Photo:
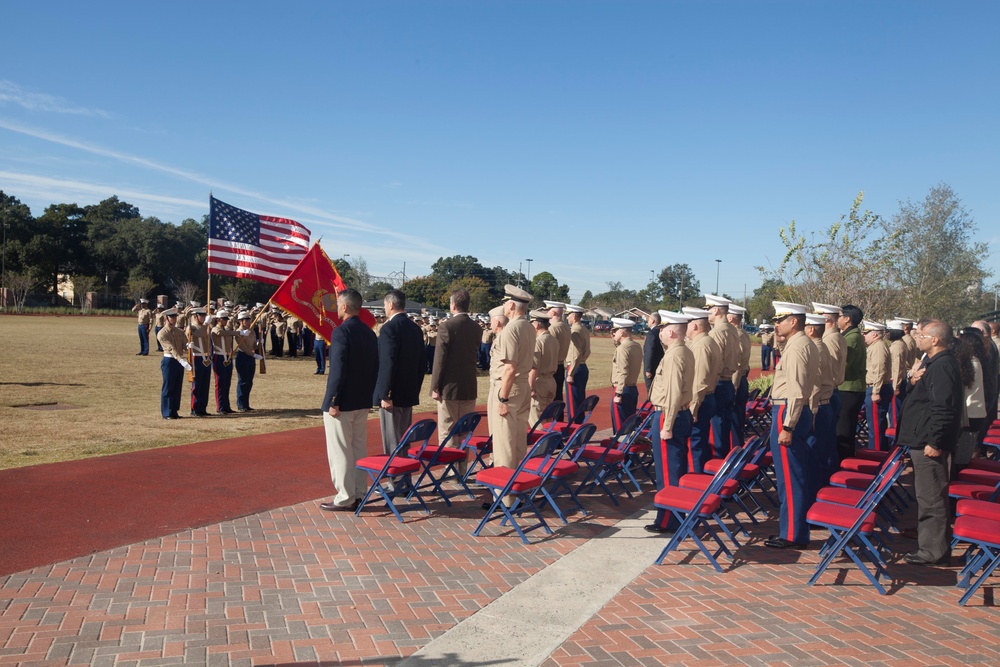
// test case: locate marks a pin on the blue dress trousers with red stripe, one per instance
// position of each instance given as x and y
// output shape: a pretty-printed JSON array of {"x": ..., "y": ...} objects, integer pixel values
[
  {"x": 795, "y": 468},
  {"x": 670, "y": 458},
  {"x": 701, "y": 435}
]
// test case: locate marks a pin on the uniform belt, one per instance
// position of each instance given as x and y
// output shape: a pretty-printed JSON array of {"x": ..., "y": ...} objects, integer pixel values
[
  {"x": 200, "y": 355},
  {"x": 725, "y": 378},
  {"x": 221, "y": 354},
  {"x": 822, "y": 403},
  {"x": 779, "y": 401}
]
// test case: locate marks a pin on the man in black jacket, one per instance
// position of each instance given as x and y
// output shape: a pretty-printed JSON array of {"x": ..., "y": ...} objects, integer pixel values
[
  {"x": 930, "y": 425},
  {"x": 652, "y": 349},
  {"x": 349, "y": 390},
  {"x": 400, "y": 370}
]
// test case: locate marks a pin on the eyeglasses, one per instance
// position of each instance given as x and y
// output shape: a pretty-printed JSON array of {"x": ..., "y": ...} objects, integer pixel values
[{"x": 920, "y": 335}]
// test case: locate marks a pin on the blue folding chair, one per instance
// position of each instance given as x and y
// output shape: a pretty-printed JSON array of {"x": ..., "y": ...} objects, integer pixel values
[
  {"x": 559, "y": 470},
  {"x": 396, "y": 470},
  {"x": 519, "y": 485},
  {"x": 693, "y": 509},
  {"x": 604, "y": 460},
  {"x": 450, "y": 453},
  {"x": 479, "y": 446},
  {"x": 983, "y": 536},
  {"x": 547, "y": 421}
]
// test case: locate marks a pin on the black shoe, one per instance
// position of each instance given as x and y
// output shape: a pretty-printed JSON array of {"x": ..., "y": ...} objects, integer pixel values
[
  {"x": 318, "y": 373},
  {"x": 138, "y": 354},
  {"x": 330, "y": 507},
  {"x": 914, "y": 558},
  {"x": 653, "y": 528},
  {"x": 199, "y": 414},
  {"x": 486, "y": 506},
  {"x": 781, "y": 543},
  {"x": 227, "y": 411}
]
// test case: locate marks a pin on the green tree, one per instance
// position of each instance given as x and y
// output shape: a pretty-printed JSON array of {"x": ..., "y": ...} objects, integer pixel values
[
  {"x": 587, "y": 299},
  {"x": 678, "y": 286},
  {"x": 16, "y": 227},
  {"x": 759, "y": 308},
  {"x": 449, "y": 269},
  {"x": 377, "y": 290},
  {"x": 545, "y": 286},
  {"x": 426, "y": 290},
  {"x": 480, "y": 299}
]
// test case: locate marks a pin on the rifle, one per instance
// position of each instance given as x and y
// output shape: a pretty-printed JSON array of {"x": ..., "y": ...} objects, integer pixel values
[
  {"x": 260, "y": 346},
  {"x": 187, "y": 331}
]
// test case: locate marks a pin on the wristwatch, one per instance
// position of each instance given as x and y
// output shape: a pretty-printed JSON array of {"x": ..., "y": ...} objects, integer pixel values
[
  {"x": 786, "y": 428},
  {"x": 501, "y": 398}
]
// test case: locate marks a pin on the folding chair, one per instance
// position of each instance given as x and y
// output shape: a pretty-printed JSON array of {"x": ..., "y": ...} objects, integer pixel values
[
  {"x": 432, "y": 456},
  {"x": 503, "y": 481},
  {"x": 581, "y": 417},
  {"x": 984, "y": 536},
  {"x": 563, "y": 469},
  {"x": 693, "y": 509},
  {"x": 736, "y": 490},
  {"x": 480, "y": 446},
  {"x": 605, "y": 459},
  {"x": 397, "y": 470},
  {"x": 547, "y": 421},
  {"x": 854, "y": 525},
  {"x": 853, "y": 497}
]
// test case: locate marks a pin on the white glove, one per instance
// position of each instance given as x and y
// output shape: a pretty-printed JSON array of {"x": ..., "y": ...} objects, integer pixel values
[
  {"x": 257, "y": 356},
  {"x": 244, "y": 332},
  {"x": 186, "y": 365},
  {"x": 190, "y": 346}
]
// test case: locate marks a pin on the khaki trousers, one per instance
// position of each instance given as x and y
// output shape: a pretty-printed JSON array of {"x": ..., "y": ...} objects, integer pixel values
[
  {"x": 545, "y": 393},
  {"x": 346, "y": 442},
  {"x": 510, "y": 433},
  {"x": 450, "y": 412}
]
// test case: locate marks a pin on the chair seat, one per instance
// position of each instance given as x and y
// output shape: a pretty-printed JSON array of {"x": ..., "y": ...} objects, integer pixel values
[
  {"x": 400, "y": 465},
  {"x": 960, "y": 489},
  {"x": 563, "y": 467},
  {"x": 684, "y": 500},
  {"x": 871, "y": 455},
  {"x": 839, "y": 495},
  {"x": 445, "y": 455},
  {"x": 979, "y": 476},
  {"x": 595, "y": 452},
  {"x": 984, "y": 464},
  {"x": 499, "y": 476},
  {"x": 839, "y": 516},
  {"x": 978, "y": 508},
  {"x": 860, "y": 465},
  {"x": 750, "y": 470},
  {"x": 977, "y": 529},
  {"x": 700, "y": 482},
  {"x": 535, "y": 436},
  {"x": 480, "y": 442},
  {"x": 767, "y": 460},
  {"x": 890, "y": 432},
  {"x": 851, "y": 479}
]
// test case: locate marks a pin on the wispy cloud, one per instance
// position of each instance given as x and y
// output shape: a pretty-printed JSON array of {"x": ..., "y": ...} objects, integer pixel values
[
  {"x": 11, "y": 92},
  {"x": 284, "y": 205}
]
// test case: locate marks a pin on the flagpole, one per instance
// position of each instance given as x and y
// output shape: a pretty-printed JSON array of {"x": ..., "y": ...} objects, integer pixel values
[{"x": 208, "y": 254}]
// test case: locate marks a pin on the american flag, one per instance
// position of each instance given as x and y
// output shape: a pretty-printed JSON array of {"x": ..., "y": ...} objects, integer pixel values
[{"x": 246, "y": 245}]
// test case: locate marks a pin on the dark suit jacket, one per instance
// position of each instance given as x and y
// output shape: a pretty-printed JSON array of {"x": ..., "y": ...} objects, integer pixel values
[
  {"x": 454, "y": 372},
  {"x": 401, "y": 363},
  {"x": 353, "y": 366},
  {"x": 652, "y": 351}
]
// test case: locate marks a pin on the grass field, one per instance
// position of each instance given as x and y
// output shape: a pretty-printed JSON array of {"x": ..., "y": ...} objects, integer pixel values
[{"x": 71, "y": 387}]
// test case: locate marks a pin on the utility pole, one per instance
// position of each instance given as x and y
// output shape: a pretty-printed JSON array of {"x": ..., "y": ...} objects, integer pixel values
[
  {"x": 529, "y": 261},
  {"x": 718, "y": 264}
]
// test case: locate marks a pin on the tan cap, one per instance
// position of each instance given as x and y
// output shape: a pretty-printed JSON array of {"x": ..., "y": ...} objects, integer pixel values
[
  {"x": 497, "y": 312},
  {"x": 512, "y": 293}
]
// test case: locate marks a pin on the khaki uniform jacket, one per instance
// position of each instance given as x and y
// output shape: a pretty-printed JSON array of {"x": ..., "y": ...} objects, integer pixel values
[
  {"x": 174, "y": 342},
  {"x": 515, "y": 344},
  {"x": 145, "y": 314},
  {"x": 488, "y": 337},
  {"x": 728, "y": 339},
  {"x": 200, "y": 339},
  {"x": 295, "y": 325},
  {"x": 823, "y": 389},
  {"x": 899, "y": 364},
  {"x": 546, "y": 354},
  {"x": 878, "y": 365},
  {"x": 795, "y": 376},
  {"x": 626, "y": 364},
  {"x": 182, "y": 319},
  {"x": 280, "y": 327},
  {"x": 707, "y": 364},
  {"x": 579, "y": 349},
  {"x": 158, "y": 319},
  {"x": 222, "y": 340},
  {"x": 673, "y": 382},
  {"x": 912, "y": 353},
  {"x": 247, "y": 344},
  {"x": 766, "y": 338},
  {"x": 745, "y": 348},
  {"x": 833, "y": 341},
  {"x": 560, "y": 331}
]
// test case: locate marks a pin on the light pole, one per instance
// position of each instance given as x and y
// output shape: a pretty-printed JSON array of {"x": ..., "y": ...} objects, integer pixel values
[
  {"x": 520, "y": 266},
  {"x": 718, "y": 264},
  {"x": 529, "y": 261}
]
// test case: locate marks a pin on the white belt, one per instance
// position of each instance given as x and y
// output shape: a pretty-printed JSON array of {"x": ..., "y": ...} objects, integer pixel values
[{"x": 200, "y": 355}]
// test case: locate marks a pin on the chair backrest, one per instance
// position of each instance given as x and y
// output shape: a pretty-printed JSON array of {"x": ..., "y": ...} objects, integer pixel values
[
  {"x": 582, "y": 415},
  {"x": 754, "y": 393},
  {"x": 641, "y": 425},
  {"x": 420, "y": 432},
  {"x": 579, "y": 439},
  {"x": 549, "y": 447},
  {"x": 550, "y": 415},
  {"x": 731, "y": 467},
  {"x": 629, "y": 427},
  {"x": 463, "y": 430}
]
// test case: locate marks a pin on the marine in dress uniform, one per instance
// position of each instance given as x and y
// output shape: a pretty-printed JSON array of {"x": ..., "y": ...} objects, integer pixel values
[
  {"x": 795, "y": 375},
  {"x": 833, "y": 340},
  {"x": 707, "y": 364},
  {"x": 824, "y": 435},
  {"x": 540, "y": 379},
  {"x": 878, "y": 391},
  {"x": 740, "y": 382},
  {"x": 200, "y": 341},
  {"x": 485, "y": 342},
  {"x": 725, "y": 392},
  {"x": 498, "y": 320},
  {"x": 308, "y": 339},
  {"x": 246, "y": 361},
  {"x": 559, "y": 330},
  {"x": 293, "y": 335},
  {"x": 158, "y": 323},
  {"x": 145, "y": 318},
  {"x": 577, "y": 372},
  {"x": 671, "y": 393},
  {"x": 899, "y": 364},
  {"x": 223, "y": 351},
  {"x": 911, "y": 343},
  {"x": 278, "y": 329},
  {"x": 510, "y": 396},
  {"x": 173, "y": 365},
  {"x": 626, "y": 364},
  {"x": 431, "y": 348},
  {"x": 766, "y": 342}
]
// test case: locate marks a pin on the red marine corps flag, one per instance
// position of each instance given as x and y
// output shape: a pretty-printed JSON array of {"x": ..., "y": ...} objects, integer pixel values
[{"x": 310, "y": 294}]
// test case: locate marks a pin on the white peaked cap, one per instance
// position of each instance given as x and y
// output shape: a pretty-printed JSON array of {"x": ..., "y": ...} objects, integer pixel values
[
  {"x": 737, "y": 310},
  {"x": 783, "y": 308},
  {"x": 554, "y": 304},
  {"x": 695, "y": 313},
  {"x": 670, "y": 317},
  {"x": 621, "y": 323},
  {"x": 573, "y": 309},
  {"x": 713, "y": 300},
  {"x": 896, "y": 325},
  {"x": 868, "y": 325},
  {"x": 827, "y": 309},
  {"x": 815, "y": 320}
]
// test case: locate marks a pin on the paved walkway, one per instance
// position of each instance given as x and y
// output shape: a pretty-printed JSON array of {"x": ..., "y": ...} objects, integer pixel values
[{"x": 294, "y": 585}]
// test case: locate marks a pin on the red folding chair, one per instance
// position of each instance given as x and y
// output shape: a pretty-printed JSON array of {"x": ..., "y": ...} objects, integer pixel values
[
  {"x": 547, "y": 421},
  {"x": 449, "y": 454},
  {"x": 604, "y": 460},
  {"x": 984, "y": 537},
  {"x": 581, "y": 417},
  {"x": 397, "y": 471},
  {"x": 562, "y": 471},
  {"x": 480, "y": 446}
]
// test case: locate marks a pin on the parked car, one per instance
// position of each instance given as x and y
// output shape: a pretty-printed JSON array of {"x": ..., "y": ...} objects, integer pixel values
[{"x": 602, "y": 326}]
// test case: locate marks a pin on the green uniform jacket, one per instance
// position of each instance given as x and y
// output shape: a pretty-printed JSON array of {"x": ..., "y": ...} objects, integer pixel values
[{"x": 854, "y": 373}]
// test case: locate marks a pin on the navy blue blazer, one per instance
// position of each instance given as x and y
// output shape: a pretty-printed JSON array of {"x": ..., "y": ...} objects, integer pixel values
[
  {"x": 401, "y": 363},
  {"x": 353, "y": 367},
  {"x": 652, "y": 351}
]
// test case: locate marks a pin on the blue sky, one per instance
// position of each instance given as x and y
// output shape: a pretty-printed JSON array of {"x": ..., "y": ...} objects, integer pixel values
[{"x": 600, "y": 139}]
